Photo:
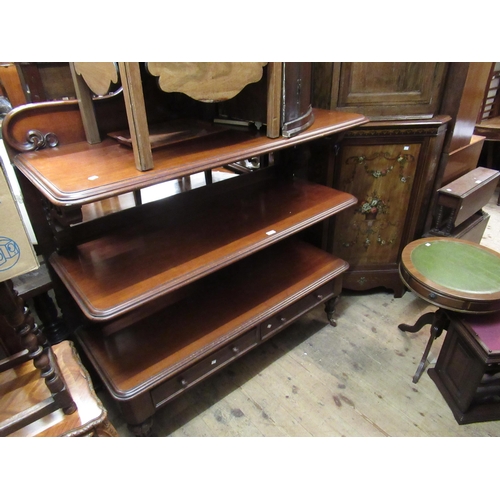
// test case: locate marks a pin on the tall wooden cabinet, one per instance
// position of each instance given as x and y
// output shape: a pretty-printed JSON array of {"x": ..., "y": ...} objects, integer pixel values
[
  {"x": 163, "y": 294},
  {"x": 419, "y": 138}
]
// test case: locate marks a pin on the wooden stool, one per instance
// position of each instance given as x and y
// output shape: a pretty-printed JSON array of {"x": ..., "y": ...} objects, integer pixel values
[
  {"x": 453, "y": 274},
  {"x": 467, "y": 372}
]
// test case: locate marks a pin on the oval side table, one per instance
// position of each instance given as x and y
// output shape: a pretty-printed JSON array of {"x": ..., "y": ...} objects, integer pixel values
[{"x": 452, "y": 274}]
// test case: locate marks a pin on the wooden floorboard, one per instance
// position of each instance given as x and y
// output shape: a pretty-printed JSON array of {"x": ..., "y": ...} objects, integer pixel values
[{"x": 315, "y": 380}]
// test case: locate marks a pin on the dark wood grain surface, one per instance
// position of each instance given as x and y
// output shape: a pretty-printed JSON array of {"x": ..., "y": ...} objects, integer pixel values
[
  {"x": 80, "y": 173},
  {"x": 128, "y": 267}
]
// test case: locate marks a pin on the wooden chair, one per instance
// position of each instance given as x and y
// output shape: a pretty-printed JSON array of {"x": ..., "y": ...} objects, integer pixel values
[
  {"x": 44, "y": 390},
  {"x": 488, "y": 122},
  {"x": 37, "y": 349}
]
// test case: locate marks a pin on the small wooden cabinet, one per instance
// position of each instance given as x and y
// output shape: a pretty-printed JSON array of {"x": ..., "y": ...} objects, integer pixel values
[{"x": 467, "y": 369}]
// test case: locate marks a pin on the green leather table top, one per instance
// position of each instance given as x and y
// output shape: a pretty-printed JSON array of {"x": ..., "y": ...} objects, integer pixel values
[{"x": 458, "y": 266}]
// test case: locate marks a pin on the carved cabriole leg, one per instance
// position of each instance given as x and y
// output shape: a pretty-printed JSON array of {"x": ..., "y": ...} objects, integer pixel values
[
  {"x": 425, "y": 319},
  {"x": 32, "y": 339},
  {"x": 439, "y": 321}
]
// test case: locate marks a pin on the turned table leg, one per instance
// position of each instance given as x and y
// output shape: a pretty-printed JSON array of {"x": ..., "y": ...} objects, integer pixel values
[{"x": 330, "y": 309}]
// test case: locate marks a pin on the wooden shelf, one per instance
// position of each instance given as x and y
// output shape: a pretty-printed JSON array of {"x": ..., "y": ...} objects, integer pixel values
[
  {"x": 126, "y": 268},
  {"x": 81, "y": 173},
  {"x": 228, "y": 304}
]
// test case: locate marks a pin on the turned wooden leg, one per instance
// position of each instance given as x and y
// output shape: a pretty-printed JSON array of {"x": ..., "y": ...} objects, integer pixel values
[
  {"x": 439, "y": 218},
  {"x": 53, "y": 326},
  {"x": 143, "y": 429},
  {"x": 449, "y": 223},
  {"x": 330, "y": 309},
  {"x": 19, "y": 317}
]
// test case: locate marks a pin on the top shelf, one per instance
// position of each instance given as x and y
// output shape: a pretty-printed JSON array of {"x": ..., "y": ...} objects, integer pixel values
[{"x": 80, "y": 173}]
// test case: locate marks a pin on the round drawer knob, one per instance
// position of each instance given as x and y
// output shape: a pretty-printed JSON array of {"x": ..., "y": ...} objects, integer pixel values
[
  {"x": 432, "y": 296},
  {"x": 235, "y": 349},
  {"x": 319, "y": 296},
  {"x": 183, "y": 382},
  {"x": 282, "y": 319}
]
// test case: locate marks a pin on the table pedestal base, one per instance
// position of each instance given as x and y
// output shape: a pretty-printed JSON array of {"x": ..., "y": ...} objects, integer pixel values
[{"x": 439, "y": 321}]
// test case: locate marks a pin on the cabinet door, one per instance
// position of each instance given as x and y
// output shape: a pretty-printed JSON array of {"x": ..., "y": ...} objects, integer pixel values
[
  {"x": 392, "y": 170},
  {"x": 381, "y": 177},
  {"x": 383, "y": 90}
]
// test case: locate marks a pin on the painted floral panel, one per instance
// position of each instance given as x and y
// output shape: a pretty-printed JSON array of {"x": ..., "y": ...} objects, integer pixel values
[{"x": 381, "y": 177}]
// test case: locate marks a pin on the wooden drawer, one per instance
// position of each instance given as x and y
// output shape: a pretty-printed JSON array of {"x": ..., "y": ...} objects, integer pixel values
[
  {"x": 182, "y": 381},
  {"x": 293, "y": 311}
]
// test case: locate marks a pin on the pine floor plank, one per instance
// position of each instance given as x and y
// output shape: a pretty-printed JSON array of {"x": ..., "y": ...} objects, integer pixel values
[
  {"x": 317, "y": 389},
  {"x": 357, "y": 390}
]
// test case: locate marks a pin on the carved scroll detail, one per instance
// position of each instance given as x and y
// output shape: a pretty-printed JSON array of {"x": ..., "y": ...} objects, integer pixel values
[{"x": 35, "y": 140}]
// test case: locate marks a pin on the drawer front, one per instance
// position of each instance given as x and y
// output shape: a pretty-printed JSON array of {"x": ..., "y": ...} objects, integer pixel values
[
  {"x": 293, "y": 311},
  {"x": 208, "y": 365}
]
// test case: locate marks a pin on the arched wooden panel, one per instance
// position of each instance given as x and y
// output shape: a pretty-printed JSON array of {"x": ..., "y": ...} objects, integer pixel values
[{"x": 206, "y": 81}]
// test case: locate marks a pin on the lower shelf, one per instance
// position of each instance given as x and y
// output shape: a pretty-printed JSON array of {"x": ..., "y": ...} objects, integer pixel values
[{"x": 146, "y": 364}]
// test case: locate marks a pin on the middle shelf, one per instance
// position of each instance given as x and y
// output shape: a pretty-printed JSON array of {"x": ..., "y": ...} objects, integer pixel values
[{"x": 126, "y": 268}]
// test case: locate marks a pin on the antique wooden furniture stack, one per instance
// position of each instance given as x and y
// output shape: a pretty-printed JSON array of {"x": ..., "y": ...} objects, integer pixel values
[
  {"x": 419, "y": 138},
  {"x": 163, "y": 294},
  {"x": 464, "y": 189}
]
